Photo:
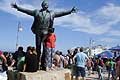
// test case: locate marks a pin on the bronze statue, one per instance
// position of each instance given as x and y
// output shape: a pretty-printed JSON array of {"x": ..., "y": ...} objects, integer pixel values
[{"x": 43, "y": 22}]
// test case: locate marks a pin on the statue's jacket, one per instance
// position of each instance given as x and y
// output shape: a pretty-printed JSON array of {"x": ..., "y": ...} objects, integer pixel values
[{"x": 43, "y": 20}]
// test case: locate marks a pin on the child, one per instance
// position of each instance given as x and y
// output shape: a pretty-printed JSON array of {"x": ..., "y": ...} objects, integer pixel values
[{"x": 49, "y": 49}]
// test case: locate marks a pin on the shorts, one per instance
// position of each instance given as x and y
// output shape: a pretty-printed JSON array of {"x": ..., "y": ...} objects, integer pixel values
[{"x": 80, "y": 71}]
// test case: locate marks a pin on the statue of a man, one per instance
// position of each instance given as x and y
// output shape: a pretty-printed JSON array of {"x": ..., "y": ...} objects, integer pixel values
[{"x": 43, "y": 22}]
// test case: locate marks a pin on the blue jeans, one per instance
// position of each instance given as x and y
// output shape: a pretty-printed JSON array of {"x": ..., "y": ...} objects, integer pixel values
[{"x": 49, "y": 52}]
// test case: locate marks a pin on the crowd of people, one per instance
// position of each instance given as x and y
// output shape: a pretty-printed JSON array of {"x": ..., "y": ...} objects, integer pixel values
[
  {"x": 75, "y": 59},
  {"x": 26, "y": 61},
  {"x": 93, "y": 65}
]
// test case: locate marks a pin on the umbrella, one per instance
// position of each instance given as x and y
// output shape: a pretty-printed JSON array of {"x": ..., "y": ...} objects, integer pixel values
[
  {"x": 106, "y": 54},
  {"x": 116, "y": 48}
]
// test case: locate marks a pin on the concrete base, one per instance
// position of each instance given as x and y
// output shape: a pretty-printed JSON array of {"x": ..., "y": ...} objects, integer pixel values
[{"x": 61, "y": 74}]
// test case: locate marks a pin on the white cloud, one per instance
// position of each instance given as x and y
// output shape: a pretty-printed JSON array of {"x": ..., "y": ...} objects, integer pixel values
[
  {"x": 98, "y": 22},
  {"x": 114, "y": 33},
  {"x": 6, "y": 7},
  {"x": 81, "y": 23},
  {"x": 109, "y": 40}
]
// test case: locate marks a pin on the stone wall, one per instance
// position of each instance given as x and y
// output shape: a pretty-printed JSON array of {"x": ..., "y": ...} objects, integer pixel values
[{"x": 61, "y": 74}]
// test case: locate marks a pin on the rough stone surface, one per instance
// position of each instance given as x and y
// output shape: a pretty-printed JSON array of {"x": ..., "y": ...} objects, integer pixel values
[{"x": 62, "y": 74}]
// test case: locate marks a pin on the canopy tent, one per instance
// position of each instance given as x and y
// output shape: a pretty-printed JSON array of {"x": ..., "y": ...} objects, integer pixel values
[
  {"x": 106, "y": 54},
  {"x": 116, "y": 48}
]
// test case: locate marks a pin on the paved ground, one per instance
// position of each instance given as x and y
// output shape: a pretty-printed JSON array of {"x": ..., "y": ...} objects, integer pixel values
[{"x": 95, "y": 77}]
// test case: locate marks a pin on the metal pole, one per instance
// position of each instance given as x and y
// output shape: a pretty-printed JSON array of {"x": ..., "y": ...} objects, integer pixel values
[{"x": 17, "y": 38}]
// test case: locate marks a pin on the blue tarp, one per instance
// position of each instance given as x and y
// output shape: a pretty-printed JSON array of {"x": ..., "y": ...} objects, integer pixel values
[
  {"x": 116, "y": 48},
  {"x": 106, "y": 54}
]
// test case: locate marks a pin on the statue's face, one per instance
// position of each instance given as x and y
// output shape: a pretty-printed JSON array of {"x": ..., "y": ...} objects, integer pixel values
[{"x": 44, "y": 5}]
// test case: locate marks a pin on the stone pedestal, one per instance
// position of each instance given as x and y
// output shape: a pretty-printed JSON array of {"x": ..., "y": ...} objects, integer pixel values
[{"x": 61, "y": 74}]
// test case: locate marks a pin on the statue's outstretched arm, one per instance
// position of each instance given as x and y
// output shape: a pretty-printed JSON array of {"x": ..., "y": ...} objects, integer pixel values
[
  {"x": 27, "y": 11},
  {"x": 63, "y": 13}
]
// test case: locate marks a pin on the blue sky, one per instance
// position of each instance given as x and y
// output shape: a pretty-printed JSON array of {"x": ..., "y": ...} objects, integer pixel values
[{"x": 96, "y": 19}]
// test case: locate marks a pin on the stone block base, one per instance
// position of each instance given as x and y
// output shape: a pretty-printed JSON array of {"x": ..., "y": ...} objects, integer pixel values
[{"x": 61, "y": 74}]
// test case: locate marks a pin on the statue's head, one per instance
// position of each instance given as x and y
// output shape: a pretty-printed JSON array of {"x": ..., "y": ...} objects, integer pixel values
[{"x": 44, "y": 5}]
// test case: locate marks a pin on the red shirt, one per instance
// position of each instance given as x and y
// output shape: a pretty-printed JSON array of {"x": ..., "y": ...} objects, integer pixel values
[{"x": 50, "y": 41}]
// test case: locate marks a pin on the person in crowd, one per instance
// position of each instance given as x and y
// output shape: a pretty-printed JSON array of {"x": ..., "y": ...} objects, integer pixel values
[
  {"x": 62, "y": 58},
  {"x": 80, "y": 59},
  {"x": 89, "y": 65},
  {"x": 65, "y": 62},
  {"x": 34, "y": 50},
  {"x": 7, "y": 56},
  {"x": 118, "y": 69},
  {"x": 117, "y": 59},
  {"x": 107, "y": 64},
  {"x": 49, "y": 49},
  {"x": 111, "y": 70},
  {"x": 19, "y": 57},
  {"x": 75, "y": 52},
  {"x": 73, "y": 62},
  {"x": 10, "y": 60},
  {"x": 30, "y": 64},
  {"x": 100, "y": 65},
  {"x": 4, "y": 61},
  {"x": 70, "y": 58},
  {"x": 57, "y": 59},
  {"x": 94, "y": 68}
]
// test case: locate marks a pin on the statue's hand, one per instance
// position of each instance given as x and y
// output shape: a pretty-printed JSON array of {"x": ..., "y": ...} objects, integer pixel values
[
  {"x": 74, "y": 10},
  {"x": 14, "y": 5}
]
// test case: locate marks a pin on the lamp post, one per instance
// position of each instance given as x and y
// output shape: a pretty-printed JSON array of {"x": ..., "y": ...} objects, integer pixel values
[
  {"x": 19, "y": 28},
  {"x": 91, "y": 45}
]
